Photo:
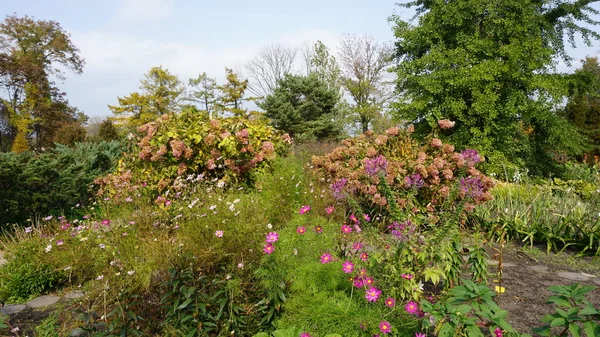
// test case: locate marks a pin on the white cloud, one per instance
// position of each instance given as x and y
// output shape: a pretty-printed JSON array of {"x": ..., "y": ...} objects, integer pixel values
[{"x": 144, "y": 10}]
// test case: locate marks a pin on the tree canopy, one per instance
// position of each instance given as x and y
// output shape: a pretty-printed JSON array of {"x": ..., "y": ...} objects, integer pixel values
[
  {"x": 488, "y": 65},
  {"x": 304, "y": 107}
]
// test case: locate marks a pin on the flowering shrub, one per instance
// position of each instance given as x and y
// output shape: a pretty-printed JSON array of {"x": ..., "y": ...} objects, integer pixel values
[
  {"x": 176, "y": 145},
  {"x": 391, "y": 173}
]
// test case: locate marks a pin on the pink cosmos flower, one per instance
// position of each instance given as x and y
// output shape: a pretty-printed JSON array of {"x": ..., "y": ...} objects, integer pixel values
[
  {"x": 272, "y": 237},
  {"x": 366, "y": 217},
  {"x": 498, "y": 332},
  {"x": 369, "y": 281},
  {"x": 385, "y": 327},
  {"x": 372, "y": 294},
  {"x": 319, "y": 229},
  {"x": 346, "y": 229},
  {"x": 268, "y": 248},
  {"x": 305, "y": 334},
  {"x": 106, "y": 222},
  {"x": 358, "y": 282},
  {"x": 420, "y": 334},
  {"x": 48, "y": 218},
  {"x": 407, "y": 276},
  {"x": 59, "y": 242},
  {"x": 362, "y": 272},
  {"x": 412, "y": 308},
  {"x": 357, "y": 246},
  {"x": 325, "y": 258},
  {"x": 304, "y": 209},
  {"x": 357, "y": 228},
  {"x": 219, "y": 233},
  {"x": 329, "y": 209},
  {"x": 364, "y": 256},
  {"x": 348, "y": 267},
  {"x": 301, "y": 230},
  {"x": 28, "y": 229},
  {"x": 353, "y": 218},
  {"x": 390, "y": 302}
]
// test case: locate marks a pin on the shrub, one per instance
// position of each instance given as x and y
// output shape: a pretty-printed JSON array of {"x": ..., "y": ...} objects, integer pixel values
[
  {"x": 35, "y": 185},
  {"x": 177, "y": 145}
]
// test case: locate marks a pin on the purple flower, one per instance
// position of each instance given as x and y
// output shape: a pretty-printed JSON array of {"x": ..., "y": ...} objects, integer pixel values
[
  {"x": 376, "y": 165},
  {"x": 412, "y": 308},
  {"x": 414, "y": 181},
  {"x": 471, "y": 156},
  {"x": 337, "y": 188},
  {"x": 472, "y": 187},
  {"x": 358, "y": 282}
]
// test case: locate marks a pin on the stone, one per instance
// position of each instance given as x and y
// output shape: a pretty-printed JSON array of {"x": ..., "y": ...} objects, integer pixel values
[
  {"x": 596, "y": 280},
  {"x": 77, "y": 332},
  {"x": 73, "y": 295},
  {"x": 11, "y": 309},
  {"x": 573, "y": 276},
  {"x": 43, "y": 301},
  {"x": 539, "y": 268},
  {"x": 508, "y": 264}
]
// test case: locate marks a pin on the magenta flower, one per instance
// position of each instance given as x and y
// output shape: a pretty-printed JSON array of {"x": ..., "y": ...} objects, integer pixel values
[
  {"x": 319, "y": 229},
  {"x": 268, "y": 248},
  {"x": 364, "y": 256},
  {"x": 498, "y": 332},
  {"x": 305, "y": 334},
  {"x": 346, "y": 229},
  {"x": 369, "y": 281},
  {"x": 358, "y": 282},
  {"x": 304, "y": 209},
  {"x": 301, "y": 230},
  {"x": 59, "y": 242},
  {"x": 420, "y": 334},
  {"x": 272, "y": 237},
  {"x": 219, "y": 233},
  {"x": 366, "y": 217},
  {"x": 357, "y": 246},
  {"x": 385, "y": 327},
  {"x": 362, "y": 272},
  {"x": 372, "y": 294},
  {"x": 106, "y": 222},
  {"x": 325, "y": 258},
  {"x": 348, "y": 267},
  {"x": 407, "y": 276},
  {"x": 390, "y": 302},
  {"x": 412, "y": 308},
  {"x": 353, "y": 218},
  {"x": 329, "y": 209}
]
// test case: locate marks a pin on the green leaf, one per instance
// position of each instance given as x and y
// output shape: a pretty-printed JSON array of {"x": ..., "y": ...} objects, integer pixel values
[
  {"x": 575, "y": 330},
  {"x": 558, "y": 322},
  {"x": 560, "y": 300},
  {"x": 185, "y": 304},
  {"x": 261, "y": 334},
  {"x": 591, "y": 329}
]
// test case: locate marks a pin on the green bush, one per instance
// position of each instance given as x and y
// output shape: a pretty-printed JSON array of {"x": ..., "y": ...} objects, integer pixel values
[{"x": 36, "y": 185}]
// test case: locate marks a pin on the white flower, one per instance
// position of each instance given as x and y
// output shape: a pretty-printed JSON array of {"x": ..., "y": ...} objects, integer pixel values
[
  {"x": 420, "y": 285},
  {"x": 269, "y": 226},
  {"x": 67, "y": 268},
  {"x": 48, "y": 248},
  {"x": 212, "y": 207},
  {"x": 15, "y": 329},
  {"x": 102, "y": 246},
  {"x": 28, "y": 229},
  {"x": 131, "y": 272},
  {"x": 100, "y": 277}
]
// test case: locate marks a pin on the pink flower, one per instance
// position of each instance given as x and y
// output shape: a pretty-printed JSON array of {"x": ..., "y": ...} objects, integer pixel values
[
  {"x": 357, "y": 228},
  {"x": 219, "y": 233},
  {"x": 446, "y": 124},
  {"x": 385, "y": 327},
  {"x": 407, "y": 276},
  {"x": 372, "y": 294},
  {"x": 348, "y": 267},
  {"x": 420, "y": 334},
  {"x": 301, "y": 230},
  {"x": 319, "y": 229},
  {"x": 498, "y": 332},
  {"x": 106, "y": 222},
  {"x": 358, "y": 282},
  {"x": 268, "y": 248},
  {"x": 362, "y": 272},
  {"x": 412, "y": 308},
  {"x": 390, "y": 302},
  {"x": 369, "y": 281},
  {"x": 329, "y": 210},
  {"x": 59, "y": 242},
  {"x": 366, "y": 217},
  {"x": 325, "y": 258},
  {"x": 272, "y": 237},
  {"x": 353, "y": 218},
  {"x": 364, "y": 256},
  {"x": 305, "y": 334},
  {"x": 304, "y": 209},
  {"x": 346, "y": 229},
  {"x": 357, "y": 246}
]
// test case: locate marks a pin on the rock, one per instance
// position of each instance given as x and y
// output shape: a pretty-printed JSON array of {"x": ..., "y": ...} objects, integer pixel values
[
  {"x": 596, "y": 280},
  {"x": 43, "y": 301},
  {"x": 508, "y": 264},
  {"x": 539, "y": 268},
  {"x": 573, "y": 276},
  {"x": 77, "y": 332},
  {"x": 11, "y": 309},
  {"x": 72, "y": 295}
]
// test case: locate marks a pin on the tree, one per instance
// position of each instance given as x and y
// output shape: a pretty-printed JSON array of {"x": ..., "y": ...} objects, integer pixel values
[
  {"x": 487, "y": 65},
  {"x": 107, "y": 131},
  {"x": 69, "y": 134},
  {"x": 30, "y": 52},
  {"x": 204, "y": 92},
  {"x": 583, "y": 106},
  {"x": 160, "y": 94},
  {"x": 363, "y": 63},
  {"x": 325, "y": 66},
  {"x": 233, "y": 94},
  {"x": 304, "y": 107},
  {"x": 269, "y": 67}
]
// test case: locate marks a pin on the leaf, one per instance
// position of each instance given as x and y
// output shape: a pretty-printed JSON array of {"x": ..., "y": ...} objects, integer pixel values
[
  {"x": 560, "y": 300},
  {"x": 560, "y": 321},
  {"x": 575, "y": 330},
  {"x": 261, "y": 334},
  {"x": 184, "y": 304},
  {"x": 591, "y": 329}
]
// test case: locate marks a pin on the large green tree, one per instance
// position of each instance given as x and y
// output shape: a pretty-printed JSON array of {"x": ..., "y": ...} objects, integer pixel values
[
  {"x": 488, "y": 65},
  {"x": 304, "y": 107},
  {"x": 160, "y": 93},
  {"x": 583, "y": 106},
  {"x": 31, "y": 106}
]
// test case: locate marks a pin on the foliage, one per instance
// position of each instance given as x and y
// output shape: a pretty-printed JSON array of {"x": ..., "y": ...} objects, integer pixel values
[
  {"x": 468, "y": 308},
  {"x": 488, "y": 66},
  {"x": 30, "y": 53},
  {"x": 69, "y": 134},
  {"x": 560, "y": 215},
  {"x": 204, "y": 92},
  {"x": 304, "y": 107},
  {"x": 233, "y": 94},
  {"x": 177, "y": 145},
  {"x": 159, "y": 94},
  {"x": 325, "y": 67},
  {"x": 34, "y": 185},
  {"x": 107, "y": 132},
  {"x": 573, "y": 312},
  {"x": 583, "y": 106}
]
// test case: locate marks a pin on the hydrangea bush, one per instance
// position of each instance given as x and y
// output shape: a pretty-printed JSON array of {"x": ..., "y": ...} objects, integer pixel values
[{"x": 177, "y": 145}]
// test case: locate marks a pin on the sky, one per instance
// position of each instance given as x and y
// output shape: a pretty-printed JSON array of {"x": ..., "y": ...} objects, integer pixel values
[{"x": 121, "y": 40}]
